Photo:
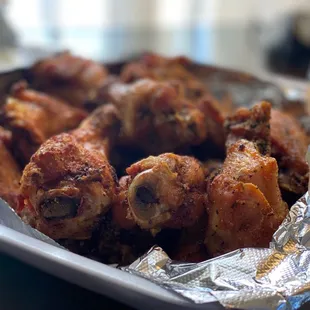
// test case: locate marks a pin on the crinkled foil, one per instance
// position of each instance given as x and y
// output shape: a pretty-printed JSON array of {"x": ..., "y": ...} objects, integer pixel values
[{"x": 275, "y": 278}]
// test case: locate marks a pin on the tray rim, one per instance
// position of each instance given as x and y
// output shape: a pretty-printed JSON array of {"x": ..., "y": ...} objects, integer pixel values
[{"x": 128, "y": 288}]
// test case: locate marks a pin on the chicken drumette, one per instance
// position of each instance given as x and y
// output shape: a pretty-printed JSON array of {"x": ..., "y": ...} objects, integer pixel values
[
  {"x": 159, "y": 68},
  {"x": 165, "y": 196},
  {"x": 74, "y": 79},
  {"x": 166, "y": 191},
  {"x": 33, "y": 117},
  {"x": 244, "y": 200},
  {"x": 155, "y": 118},
  {"x": 69, "y": 184},
  {"x": 289, "y": 145}
]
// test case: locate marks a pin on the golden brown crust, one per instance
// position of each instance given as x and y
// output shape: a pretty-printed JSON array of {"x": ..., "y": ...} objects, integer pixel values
[
  {"x": 250, "y": 124},
  {"x": 66, "y": 188},
  {"x": 166, "y": 191},
  {"x": 245, "y": 206},
  {"x": 214, "y": 118},
  {"x": 70, "y": 192},
  {"x": 100, "y": 130},
  {"x": 155, "y": 118},
  {"x": 159, "y": 68},
  {"x": 72, "y": 78},
  {"x": 289, "y": 147},
  {"x": 33, "y": 117}
]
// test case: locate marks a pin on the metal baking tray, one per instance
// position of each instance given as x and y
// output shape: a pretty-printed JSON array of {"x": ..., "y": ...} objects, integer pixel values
[
  {"x": 106, "y": 280},
  {"x": 109, "y": 281}
]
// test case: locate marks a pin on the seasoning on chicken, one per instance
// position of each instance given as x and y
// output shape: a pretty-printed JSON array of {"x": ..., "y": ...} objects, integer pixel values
[
  {"x": 100, "y": 130},
  {"x": 182, "y": 238},
  {"x": 252, "y": 125},
  {"x": 214, "y": 118},
  {"x": 33, "y": 117},
  {"x": 121, "y": 240},
  {"x": 9, "y": 172},
  {"x": 69, "y": 77},
  {"x": 155, "y": 118},
  {"x": 159, "y": 68},
  {"x": 69, "y": 184},
  {"x": 289, "y": 145},
  {"x": 166, "y": 191},
  {"x": 244, "y": 200}
]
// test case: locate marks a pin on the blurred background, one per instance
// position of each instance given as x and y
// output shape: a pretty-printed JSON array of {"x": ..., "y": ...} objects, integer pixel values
[{"x": 250, "y": 35}]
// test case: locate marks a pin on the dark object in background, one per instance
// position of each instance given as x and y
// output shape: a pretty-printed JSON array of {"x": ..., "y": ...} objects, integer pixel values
[{"x": 291, "y": 54}]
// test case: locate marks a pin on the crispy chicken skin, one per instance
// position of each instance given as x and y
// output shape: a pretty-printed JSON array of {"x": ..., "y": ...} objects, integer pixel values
[
  {"x": 99, "y": 130},
  {"x": 33, "y": 117},
  {"x": 214, "y": 119},
  {"x": 166, "y": 191},
  {"x": 289, "y": 145},
  {"x": 159, "y": 68},
  {"x": 69, "y": 77},
  {"x": 186, "y": 244},
  {"x": 69, "y": 184},
  {"x": 9, "y": 172},
  {"x": 288, "y": 142},
  {"x": 251, "y": 124},
  {"x": 155, "y": 118},
  {"x": 244, "y": 200}
]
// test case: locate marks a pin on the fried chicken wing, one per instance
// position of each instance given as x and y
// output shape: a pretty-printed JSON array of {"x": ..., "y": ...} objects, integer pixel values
[
  {"x": 177, "y": 226},
  {"x": 159, "y": 68},
  {"x": 155, "y": 118},
  {"x": 9, "y": 172},
  {"x": 252, "y": 125},
  {"x": 69, "y": 77},
  {"x": 244, "y": 200},
  {"x": 69, "y": 184},
  {"x": 289, "y": 145},
  {"x": 33, "y": 117},
  {"x": 166, "y": 192}
]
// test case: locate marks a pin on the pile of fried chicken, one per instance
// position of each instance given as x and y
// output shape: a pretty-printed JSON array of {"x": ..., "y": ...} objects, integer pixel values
[{"x": 110, "y": 164}]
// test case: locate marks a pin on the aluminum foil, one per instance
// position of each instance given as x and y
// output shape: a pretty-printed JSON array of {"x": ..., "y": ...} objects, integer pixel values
[{"x": 275, "y": 278}]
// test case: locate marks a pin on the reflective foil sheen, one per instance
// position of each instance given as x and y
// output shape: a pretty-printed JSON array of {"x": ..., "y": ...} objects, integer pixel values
[{"x": 275, "y": 278}]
